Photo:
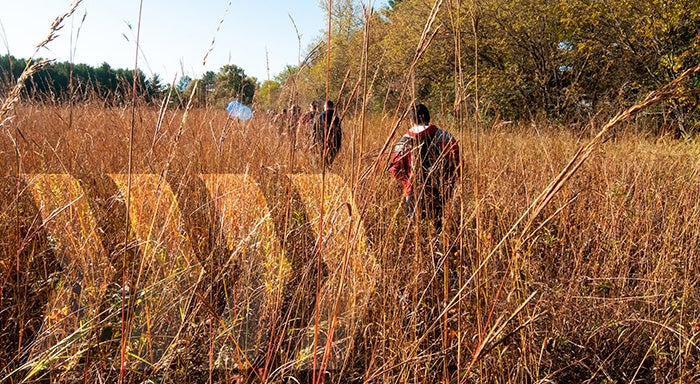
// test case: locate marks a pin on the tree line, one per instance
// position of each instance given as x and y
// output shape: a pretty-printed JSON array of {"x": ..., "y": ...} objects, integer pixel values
[
  {"x": 64, "y": 81},
  {"x": 563, "y": 60}
]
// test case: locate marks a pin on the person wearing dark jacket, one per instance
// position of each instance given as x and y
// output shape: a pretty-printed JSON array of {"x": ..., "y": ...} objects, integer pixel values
[
  {"x": 305, "y": 126},
  {"x": 426, "y": 161},
  {"x": 327, "y": 134}
]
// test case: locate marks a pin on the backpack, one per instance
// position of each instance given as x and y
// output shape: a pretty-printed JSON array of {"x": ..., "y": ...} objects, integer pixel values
[
  {"x": 335, "y": 136},
  {"x": 331, "y": 125},
  {"x": 427, "y": 166}
]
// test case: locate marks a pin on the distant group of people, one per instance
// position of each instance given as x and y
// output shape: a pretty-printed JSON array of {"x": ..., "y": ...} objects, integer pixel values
[
  {"x": 425, "y": 160},
  {"x": 322, "y": 131}
]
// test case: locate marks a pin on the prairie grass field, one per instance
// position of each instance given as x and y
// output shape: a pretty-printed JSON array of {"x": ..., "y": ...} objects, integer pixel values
[{"x": 201, "y": 261}]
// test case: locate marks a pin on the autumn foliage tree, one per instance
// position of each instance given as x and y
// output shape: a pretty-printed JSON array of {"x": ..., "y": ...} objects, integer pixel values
[{"x": 558, "y": 59}]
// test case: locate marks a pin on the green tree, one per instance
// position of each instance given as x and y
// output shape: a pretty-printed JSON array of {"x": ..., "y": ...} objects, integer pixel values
[
  {"x": 338, "y": 81},
  {"x": 206, "y": 86},
  {"x": 400, "y": 33},
  {"x": 393, "y": 3},
  {"x": 154, "y": 88},
  {"x": 230, "y": 83},
  {"x": 267, "y": 96}
]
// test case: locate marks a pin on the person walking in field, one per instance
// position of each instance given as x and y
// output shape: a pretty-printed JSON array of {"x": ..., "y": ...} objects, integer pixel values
[
  {"x": 426, "y": 161},
  {"x": 280, "y": 121},
  {"x": 327, "y": 134},
  {"x": 305, "y": 127}
]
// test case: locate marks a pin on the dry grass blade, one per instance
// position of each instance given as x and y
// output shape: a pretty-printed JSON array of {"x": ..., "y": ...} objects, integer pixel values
[
  {"x": 32, "y": 67},
  {"x": 497, "y": 333},
  {"x": 664, "y": 93},
  {"x": 213, "y": 39},
  {"x": 669, "y": 90},
  {"x": 13, "y": 97},
  {"x": 56, "y": 26}
]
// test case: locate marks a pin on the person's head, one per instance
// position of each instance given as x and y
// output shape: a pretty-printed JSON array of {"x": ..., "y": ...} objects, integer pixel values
[
  {"x": 419, "y": 115},
  {"x": 328, "y": 105},
  {"x": 313, "y": 106}
]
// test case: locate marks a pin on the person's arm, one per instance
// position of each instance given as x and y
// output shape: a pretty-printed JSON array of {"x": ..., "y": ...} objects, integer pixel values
[
  {"x": 399, "y": 162},
  {"x": 398, "y": 166}
]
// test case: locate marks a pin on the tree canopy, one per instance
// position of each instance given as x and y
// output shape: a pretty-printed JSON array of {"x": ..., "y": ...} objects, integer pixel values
[{"x": 561, "y": 59}]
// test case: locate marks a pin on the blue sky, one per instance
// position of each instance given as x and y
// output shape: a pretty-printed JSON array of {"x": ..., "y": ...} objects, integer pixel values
[{"x": 175, "y": 34}]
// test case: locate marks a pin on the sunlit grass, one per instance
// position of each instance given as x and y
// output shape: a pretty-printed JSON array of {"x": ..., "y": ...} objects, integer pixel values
[{"x": 223, "y": 277}]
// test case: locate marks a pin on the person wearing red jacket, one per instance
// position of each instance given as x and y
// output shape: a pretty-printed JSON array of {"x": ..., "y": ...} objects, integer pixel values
[{"x": 426, "y": 161}]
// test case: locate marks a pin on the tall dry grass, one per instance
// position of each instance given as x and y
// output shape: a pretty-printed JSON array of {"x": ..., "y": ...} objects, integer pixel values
[
  {"x": 605, "y": 290},
  {"x": 221, "y": 275}
]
